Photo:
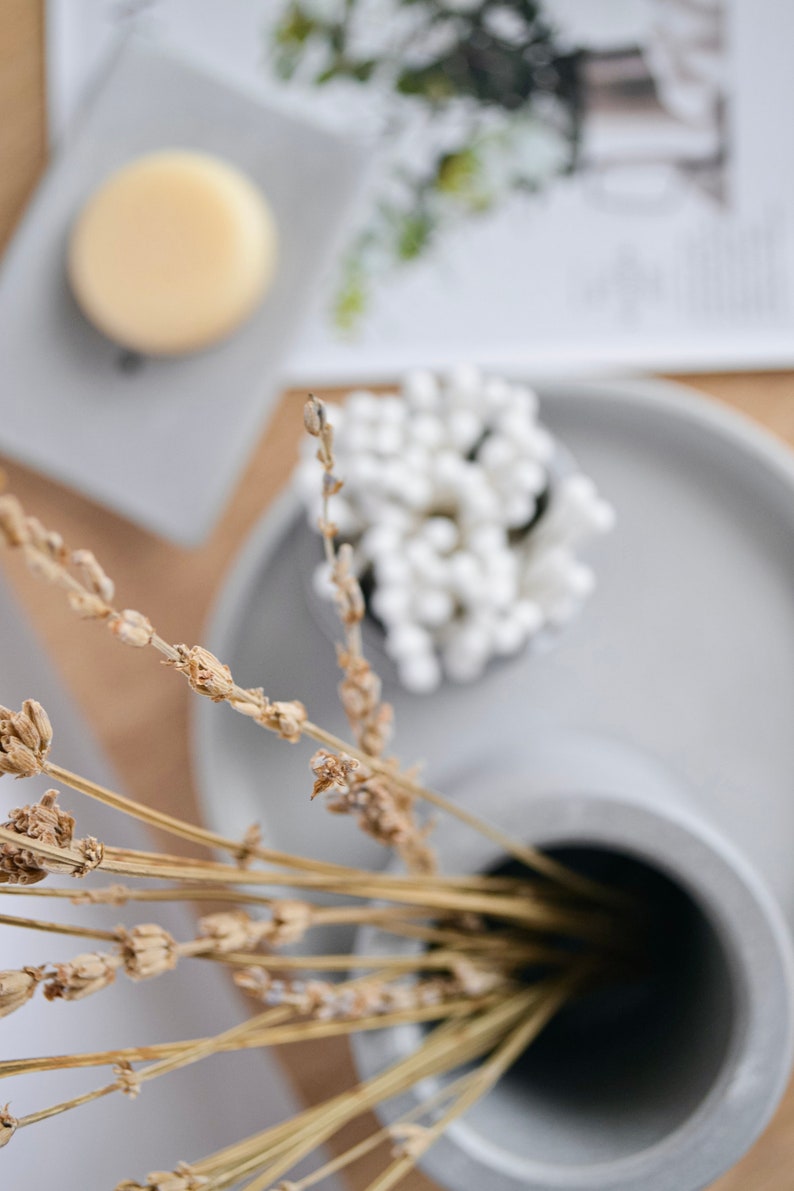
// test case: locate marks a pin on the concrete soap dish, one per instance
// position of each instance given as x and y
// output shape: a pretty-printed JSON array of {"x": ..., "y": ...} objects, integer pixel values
[{"x": 162, "y": 442}]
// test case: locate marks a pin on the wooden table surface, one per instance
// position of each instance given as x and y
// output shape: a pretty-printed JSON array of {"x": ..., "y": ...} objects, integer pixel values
[{"x": 125, "y": 694}]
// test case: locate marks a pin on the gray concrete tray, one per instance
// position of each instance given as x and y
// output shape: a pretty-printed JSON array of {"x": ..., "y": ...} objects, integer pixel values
[{"x": 684, "y": 653}]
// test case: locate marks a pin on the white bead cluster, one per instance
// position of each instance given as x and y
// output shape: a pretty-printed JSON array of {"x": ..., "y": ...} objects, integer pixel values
[{"x": 440, "y": 484}]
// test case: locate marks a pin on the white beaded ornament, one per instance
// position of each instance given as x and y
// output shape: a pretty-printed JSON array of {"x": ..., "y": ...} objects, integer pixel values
[{"x": 467, "y": 535}]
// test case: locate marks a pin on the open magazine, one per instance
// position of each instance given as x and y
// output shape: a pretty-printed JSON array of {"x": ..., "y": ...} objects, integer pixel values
[{"x": 556, "y": 185}]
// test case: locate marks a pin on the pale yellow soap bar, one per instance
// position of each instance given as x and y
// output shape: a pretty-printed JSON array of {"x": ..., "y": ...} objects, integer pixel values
[{"x": 172, "y": 253}]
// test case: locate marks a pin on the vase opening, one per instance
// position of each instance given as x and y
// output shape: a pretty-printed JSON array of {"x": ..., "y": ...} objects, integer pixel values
[{"x": 624, "y": 1067}]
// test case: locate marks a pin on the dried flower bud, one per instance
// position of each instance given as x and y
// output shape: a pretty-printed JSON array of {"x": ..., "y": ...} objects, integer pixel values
[
  {"x": 251, "y": 841},
  {"x": 252, "y": 702},
  {"x": 41, "y": 721},
  {"x": 474, "y": 980},
  {"x": 231, "y": 930},
  {"x": 44, "y": 821},
  {"x": 331, "y": 485},
  {"x": 16, "y": 989},
  {"x": 93, "y": 575},
  {"x": 92, "y": 853},
  {"x": 328, "y": 529},
  {"x": 8, "y": 1126},
  {"x": 127, "y": 1080},
  {"x": 89, "y": 606},
  {"x": 331, "y": 771},
  {"x": 131, "y": 627},
  {"x": 25, "y": 739},
  {"x": 181, "y": 1179},
  {"x": 284, "y": 718},
  {"x": 42, "y": 565},
  {"x": 110, "y": 895},
  {"x": 314, "y": 416},
  {"x": 289, "y": 922},
  {"x": 205, "y": 673},
  {"x": 81, "y": 977},
  {"x": 348, "y": 596},
  {"x": 47, "y": 540},
  {"x": 13, "y": 525},
  {"x": 147, "y": 950}
]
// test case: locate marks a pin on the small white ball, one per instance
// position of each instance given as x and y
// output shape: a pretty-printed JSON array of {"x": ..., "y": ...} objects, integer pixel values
[
  {"x": 501, "y": 592},
  {"x": 509, "y": 636},
  {"x": 421, "y": 674},
  {"x": 442, "y": 533},
  {"x": 518, "y": 510},
  {"x": 392, "y": 569},
  {"x": 529, "y": 615},
  {"x": 407, "y": 640},
  {"x": 464, "y": 384},
  {"x": 529, "y": 476},
  {"x": 487, "y": 540},
  {"x": 321, "y": 582},
  {"x": 361, "y": 470},
  {"x": 361, "y": 405},
  {"x": 433, "y": 607},
  {"x": 496, "y": 453},
  {"x": 359, "y": 436},
  {"x": 527, "y": 400},
  {"x": 381, "y": 540},
  {"x": 465, "y": 428},
  {"x": 392, "y": 604},
  {"x": 387, "y": 438},
  {"x": 391, "y": 410},
  {"x": 421, "y": 390},
  {"x": 426, "y": 430},
  {"x": 496, "y": 392},
  {"x": 418, "y": 493}
]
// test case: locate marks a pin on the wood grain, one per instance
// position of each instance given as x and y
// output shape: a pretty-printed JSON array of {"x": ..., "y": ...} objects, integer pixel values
[{"x": 139, "y": 713}]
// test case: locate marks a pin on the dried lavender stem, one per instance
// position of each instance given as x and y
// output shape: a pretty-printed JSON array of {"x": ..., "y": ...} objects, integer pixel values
[{"x": 484, "y": 1079}]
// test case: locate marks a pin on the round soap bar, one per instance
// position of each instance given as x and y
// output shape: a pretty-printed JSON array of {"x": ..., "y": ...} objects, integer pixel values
[{"x": 172, "y": 252}]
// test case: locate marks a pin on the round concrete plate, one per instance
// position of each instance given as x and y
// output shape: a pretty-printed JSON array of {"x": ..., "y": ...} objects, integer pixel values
[{"x": 685, "y": 651}]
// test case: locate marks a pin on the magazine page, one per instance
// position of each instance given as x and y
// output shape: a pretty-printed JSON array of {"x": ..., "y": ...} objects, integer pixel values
[{"x": 556, "y": 186}]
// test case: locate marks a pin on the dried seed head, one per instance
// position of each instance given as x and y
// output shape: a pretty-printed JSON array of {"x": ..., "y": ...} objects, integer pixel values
[
  {"x": 314, "y": 416},
  {"x": 331, "y": 771},
  {"x": 25, "y": 739},
  {"x": 348, "y": 596},
  {"x": 92, "y": 853},
  {"x": 88, "y": 605},
  {"x": 13, "y": 524},
  {"x": 81, "y": 977},
  {"x": 232, "y": 930},
  {"x": 285, "y": 718},
  {"x": 128, "y": 1081},
  {"x": 146, "y": 951},
  {"x": 110, "y": 895},
  {"x": 47, "y": 540},
  {"x": 44, "y": 821},
  {"x": 8, "y": 1126},
  {"x": 205, "y": 673},
  {"x": 42, "y": 565},
  {"x": 93, "y": 575},
  {"x": 181, "y": 1179},
  {"x": 16, "y": 989},
  {"x": 40, "y": 720},
  {"x": 289, "y": 922},
  {"x": 251, "y": 702},
  {"x": 250, "y": 842},
  {"x": 131, "y": 627}
]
